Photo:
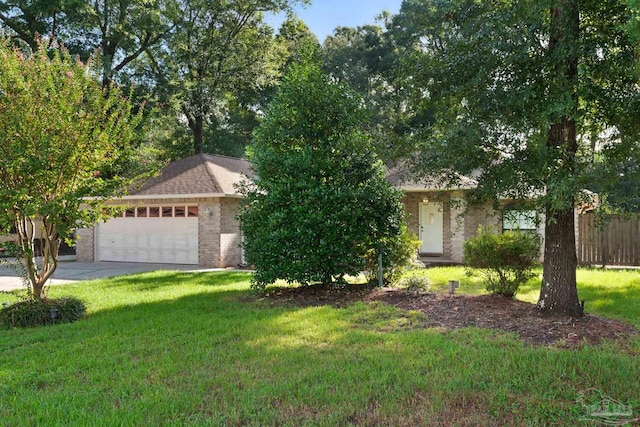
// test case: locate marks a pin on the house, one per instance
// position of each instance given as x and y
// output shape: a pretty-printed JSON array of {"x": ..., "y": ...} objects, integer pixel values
[
  {"x": 443, "y": 221},
  {"x": 185, "y": 215}
]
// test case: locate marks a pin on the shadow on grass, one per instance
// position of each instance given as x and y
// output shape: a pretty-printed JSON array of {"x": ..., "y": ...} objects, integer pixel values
[
  {"x": 165, "y": 278},
  {"x": 225, "y": 358}
]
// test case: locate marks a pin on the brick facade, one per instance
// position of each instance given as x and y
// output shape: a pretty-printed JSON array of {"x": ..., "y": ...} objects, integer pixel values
[
  {"x": 460, "y": 222},
  {"x": 219, "y": 234}
]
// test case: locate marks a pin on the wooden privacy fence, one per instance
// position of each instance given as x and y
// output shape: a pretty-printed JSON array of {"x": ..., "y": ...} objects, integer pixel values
[{"x": 617, "y": 243}]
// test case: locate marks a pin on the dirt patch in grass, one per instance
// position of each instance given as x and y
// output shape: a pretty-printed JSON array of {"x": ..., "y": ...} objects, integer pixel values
[{"x": 459, "y": 311}]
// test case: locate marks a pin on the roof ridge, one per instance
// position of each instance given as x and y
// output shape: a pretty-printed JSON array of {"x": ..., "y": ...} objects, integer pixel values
[
  {"x": 224, "y": 156},
  {"x": 215, "y": 182}
]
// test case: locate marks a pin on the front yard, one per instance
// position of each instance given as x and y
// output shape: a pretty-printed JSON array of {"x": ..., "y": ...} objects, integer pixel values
[{"x": 172, "y": 348}]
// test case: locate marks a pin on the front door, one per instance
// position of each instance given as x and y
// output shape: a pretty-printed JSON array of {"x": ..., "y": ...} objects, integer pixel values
[{"x": 431, "y": 228}]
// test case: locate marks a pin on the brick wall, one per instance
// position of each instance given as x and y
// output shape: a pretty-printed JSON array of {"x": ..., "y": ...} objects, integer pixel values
[
  {"x": 230, "y": 237},
  {"x": 85, "y": 249},
  {"x": 209, "y": 213},
  {"x": 218, "y": 230}
]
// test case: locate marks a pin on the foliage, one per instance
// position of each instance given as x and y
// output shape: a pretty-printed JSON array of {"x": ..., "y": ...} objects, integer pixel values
[
  {"x": 366, "y": 58},
  {"x": 319, "y": 202},
  {"x": 37, "y": 312},
  {"x": 398, "y": 255},
  {"x": 534, "y": 99},
  {"x": 506, "y": 260},
  {"x": 63, "y": 140},
  {"x": 415, "y": 283},
  {"x": 215, "y": 64}
]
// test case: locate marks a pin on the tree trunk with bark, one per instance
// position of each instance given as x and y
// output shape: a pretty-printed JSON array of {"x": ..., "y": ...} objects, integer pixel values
[{"x": 558, "y": 293}]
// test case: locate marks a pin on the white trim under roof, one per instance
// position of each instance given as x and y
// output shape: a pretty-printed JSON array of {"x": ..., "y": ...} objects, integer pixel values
[{"x": 171, "y": 196}]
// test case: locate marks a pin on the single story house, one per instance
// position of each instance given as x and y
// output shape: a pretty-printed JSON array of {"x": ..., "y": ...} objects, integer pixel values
[
  {"x": 185, "y": 215},
  {"x": 443, "y": 222}
]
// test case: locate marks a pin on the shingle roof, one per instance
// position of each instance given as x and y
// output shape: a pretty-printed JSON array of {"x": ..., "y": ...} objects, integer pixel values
[
  {"x": 199, "y": 174},
  {"x": 400, "y": 176}
]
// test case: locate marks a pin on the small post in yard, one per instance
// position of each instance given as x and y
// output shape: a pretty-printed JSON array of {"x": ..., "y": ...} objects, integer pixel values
[
  {"x": 380, "y": 266},
  {"x": 453, "y": 285}
]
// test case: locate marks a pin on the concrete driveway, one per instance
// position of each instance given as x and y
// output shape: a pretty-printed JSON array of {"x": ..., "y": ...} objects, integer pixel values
[{"x": 72, "y": 271}]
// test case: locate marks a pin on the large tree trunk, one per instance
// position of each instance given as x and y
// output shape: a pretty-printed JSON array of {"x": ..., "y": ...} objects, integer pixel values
[
  {"x": 558, "y": 293},
  {"x": 198, "y": 134}
]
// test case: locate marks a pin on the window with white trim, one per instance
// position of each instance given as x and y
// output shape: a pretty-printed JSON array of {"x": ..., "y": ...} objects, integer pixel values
[{"x": 525, "y": 220}]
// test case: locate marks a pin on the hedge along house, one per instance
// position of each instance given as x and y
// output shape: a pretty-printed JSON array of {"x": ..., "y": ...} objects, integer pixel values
[
  {"x": 443, "y": 220},
  {"x": 185, "y": 215}
]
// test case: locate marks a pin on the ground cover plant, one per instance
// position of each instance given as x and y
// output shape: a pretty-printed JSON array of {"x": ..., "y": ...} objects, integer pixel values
[{"x": 175, "y": 348}]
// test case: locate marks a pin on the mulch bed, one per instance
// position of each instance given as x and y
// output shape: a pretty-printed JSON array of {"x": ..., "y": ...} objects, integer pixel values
[{"x": 459, "y": 311}]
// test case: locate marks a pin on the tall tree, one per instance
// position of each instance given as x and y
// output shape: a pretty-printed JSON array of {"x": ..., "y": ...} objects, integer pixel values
[
  {"x": 296, "y": 41},
  {"x": 366, "y": 58},
  {"x": 121, "y": 31},
  {"x": 319, "y": 203},
  {"x": 532, "y": 98},
  {"x": 219, "y": 56},
  {"x": 58, "y": 130}
]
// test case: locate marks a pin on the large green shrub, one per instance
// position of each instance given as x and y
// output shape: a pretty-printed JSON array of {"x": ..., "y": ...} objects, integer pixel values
[
  {"x": 319, "y": 203},
  {"x": 37, "y": 312},
  {"x": 505, "y": 260}
]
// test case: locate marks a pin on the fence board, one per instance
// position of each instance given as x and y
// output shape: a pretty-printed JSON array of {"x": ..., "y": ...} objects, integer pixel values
[{"x": 618, "y": 243}]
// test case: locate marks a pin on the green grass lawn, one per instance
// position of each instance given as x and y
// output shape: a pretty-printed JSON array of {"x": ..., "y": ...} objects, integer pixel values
[{"x": 173, "y": 348}]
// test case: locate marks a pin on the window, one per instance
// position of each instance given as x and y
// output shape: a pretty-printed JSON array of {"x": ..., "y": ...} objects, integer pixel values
[
  {"x": 519, "y": 220},
  {"x": 164, "y": 212}
]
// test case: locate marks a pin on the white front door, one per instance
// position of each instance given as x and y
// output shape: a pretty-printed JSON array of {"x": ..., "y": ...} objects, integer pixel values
[{"x": 431, "y": 228}]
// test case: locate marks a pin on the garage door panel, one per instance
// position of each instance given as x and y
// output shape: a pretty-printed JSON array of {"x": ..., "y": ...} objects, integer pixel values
[{"x": 156, "y": 240}]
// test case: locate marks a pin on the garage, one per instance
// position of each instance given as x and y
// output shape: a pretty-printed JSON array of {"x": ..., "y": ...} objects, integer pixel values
[{"x": 153, "y": 234}]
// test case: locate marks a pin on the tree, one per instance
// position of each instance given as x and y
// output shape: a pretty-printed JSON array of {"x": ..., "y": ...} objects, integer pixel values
[
  {"x": 296, "y": 41},
  {"x": 533, "y": 99},
  {"x": 367, "y": 58},
  {"x": 319, "y": 202},
  {"x": 121, "y": 31},
  {"x": 219, "y": 56},
  {"x": 58, "y": 130}
]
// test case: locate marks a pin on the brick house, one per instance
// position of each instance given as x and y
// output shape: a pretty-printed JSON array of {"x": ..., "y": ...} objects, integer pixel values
[
  {"x": 185, "y": 215},
  {"x": 443, "y": 222}
]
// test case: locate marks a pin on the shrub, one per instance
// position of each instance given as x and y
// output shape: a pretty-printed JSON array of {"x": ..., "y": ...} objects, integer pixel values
[
  {"x": 36, "y": 312},
  {"x": 399, "y": 255},
  {"x": 415, "y": 283},
  {"x": 505, "y": 260}
]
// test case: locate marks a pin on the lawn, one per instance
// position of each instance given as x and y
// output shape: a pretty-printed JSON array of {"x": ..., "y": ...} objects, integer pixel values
[{"x": 174, "y": 348}]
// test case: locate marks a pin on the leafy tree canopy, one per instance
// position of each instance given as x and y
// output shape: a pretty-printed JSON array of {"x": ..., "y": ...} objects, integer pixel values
[
  {"x": 534, "y": 99},
  {"x": 63, "y": 139}
]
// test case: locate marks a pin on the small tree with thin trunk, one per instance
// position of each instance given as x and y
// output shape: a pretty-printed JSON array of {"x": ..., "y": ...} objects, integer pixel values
[{"x": 61, "y": 136}]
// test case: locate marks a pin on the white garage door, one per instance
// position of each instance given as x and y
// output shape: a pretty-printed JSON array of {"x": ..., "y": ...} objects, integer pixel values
[{"x": 167, "y": 240}]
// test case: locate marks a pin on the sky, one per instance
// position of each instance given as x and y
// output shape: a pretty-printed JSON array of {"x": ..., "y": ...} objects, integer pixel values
[{"x": 323, "y": 16}]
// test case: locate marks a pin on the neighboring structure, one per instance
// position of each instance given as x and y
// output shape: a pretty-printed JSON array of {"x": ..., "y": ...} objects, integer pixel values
[
  {"x": 443, "y": 222},
  {"x": 185, "y": 215}
]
